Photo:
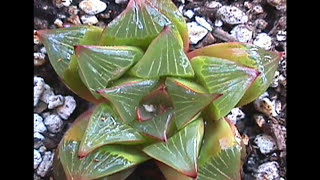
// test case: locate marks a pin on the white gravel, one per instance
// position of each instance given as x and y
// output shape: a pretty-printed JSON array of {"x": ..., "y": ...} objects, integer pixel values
[
  {"x": 242, "y": 33},
  {"x": 196, "y": 32},
  {"x": 92, "y": 7},
  {"x": 53, "y": 123},
  {"x": 265, "y": 143},
  {"x": 46, "y": 164},
  {"x": 46, "y": 93},
  {"x": 89, "y": 19},
  {"x": 189, "y": 14},
  {"x": 36, "y": 159},
  {"x": 281, "y": 36},
  {"x": 38, "y": 124},
  {"x": 203, "y": 22},
  {"x": 55, "y": 101},
  {"x": 38, "y": 88},
  {"x": 275, "y": 82},
  {"x": 232, "y": 15},
  {"x": 121, "y": 1},
  {"x": 265, "y": 105},
  {"x": 235, "y": 115},
  {"x": 263, "y": 40},
  {"x": 67, "y": 108},
  {"x": 213, "y": 4},
  {"x": 268, "y": 171}
]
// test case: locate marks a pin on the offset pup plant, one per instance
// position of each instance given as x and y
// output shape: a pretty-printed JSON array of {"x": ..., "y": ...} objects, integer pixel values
[{"x": 154, "y": 99}]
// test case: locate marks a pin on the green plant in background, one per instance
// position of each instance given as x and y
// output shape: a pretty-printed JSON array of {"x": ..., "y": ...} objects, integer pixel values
[{"x": 154, "y": 99}]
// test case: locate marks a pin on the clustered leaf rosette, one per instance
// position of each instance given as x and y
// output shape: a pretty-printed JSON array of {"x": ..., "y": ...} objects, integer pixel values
[{"x": 154, "y": 99}]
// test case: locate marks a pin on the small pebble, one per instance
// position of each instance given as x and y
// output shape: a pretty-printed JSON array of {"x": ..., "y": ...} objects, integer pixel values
[
  {"x": 36, "y": 39},
  {"x": 247, "y": 4},
  {"x": 263, "y": 40},
  {"x": 43, "y": 50},
  {"x": 265, "y": 143},
  {"x": 281, "y": 36},
  {"x": 74, "y": 19},
  {"x": 48, "y": 92},
  {"x": 53, "y": 123},
  {"x": 180, "y": 8},
  {"x": 261, "y": 24},
  {"x": 283, "y": 80},
  {"x": 265, "y": 106},
  {"x": 62, "y": 3},
  {"x": 36, "y": 159},
  {"x": 37, "y": 140},
  {"x": 196, "y": 32},
  {"x": 121, "y": 1},
  {"x": 283, "y": 65},
  {"x": 41, "y": 106},
  {"x": 38, "y": 124},
  {"x": 55, "y": 101},
  {"x": 203, "y": 22},
  {"x": 42, "y": 149},
  {"x": 189, "y": 14},
  {"x": 235, "y": 115},
  {"x": 39, "y": 58},
  {"x": 259, "y": 119},
  {"x": 66, "y": 3},
  {"x": 257, "y": 9},
  {"x": 36, "y": 177},
  {"x": 218, "y": 23},
  {"x": 241, "y": 33},
  {"x": 73, "y": 10},
  {"x": 58, "y": 23},
  {"x": 268, "y": 171},
  {"x": 277, "y": 106},
  {"x": 92, "y": 7},
  {"x": 213, "y": 4},
  {"x": 275, "y": 2},
  {"x": 232, "y": 15},
  {"x": 275, "y": 82},
  {"x": 45, "y": 114},
  {"x": 67, "y": 108},
  {"x": 38, "y": 88},
  {"x": 46, "y": 164},
  {"x": 89, "y": 19}
]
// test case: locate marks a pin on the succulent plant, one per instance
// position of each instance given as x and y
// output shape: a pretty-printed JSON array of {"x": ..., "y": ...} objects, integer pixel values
[{"x": 153, "y": 98}]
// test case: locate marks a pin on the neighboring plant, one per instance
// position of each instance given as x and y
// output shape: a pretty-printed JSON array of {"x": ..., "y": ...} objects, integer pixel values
[{"x": 155, "y": 100}]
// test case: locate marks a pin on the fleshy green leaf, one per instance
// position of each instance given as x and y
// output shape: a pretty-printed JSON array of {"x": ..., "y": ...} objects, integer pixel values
[
  {"x": 126, "y": 96},
  {"x": 168, "y": 8},
  {"x": 181, "y": 150},
  {"x": 101, "y": 64},
  {"x": 188, "y": 99},
  {"x": 157, "y": 127},
  {"x": 164, "y": 57},
  {"x": 225, "y": 165},
  {"x": 223, "y": 77},
  {"x": 136, "y": 26},
  {"x": 218, "y": 135},
  {"x": 105, "y": 127},
  {"x": 59, "y": 43},
  {"x": 122, "y": 175},
  {"x": 170, "y": 173},
  {"x": 220, "y": 155},
  {"x": 103, "y": 162},
  {"x": 59, "y": 173},
  {"x": 73, "y": 81},
  {"x": 247, "y": 55}
]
